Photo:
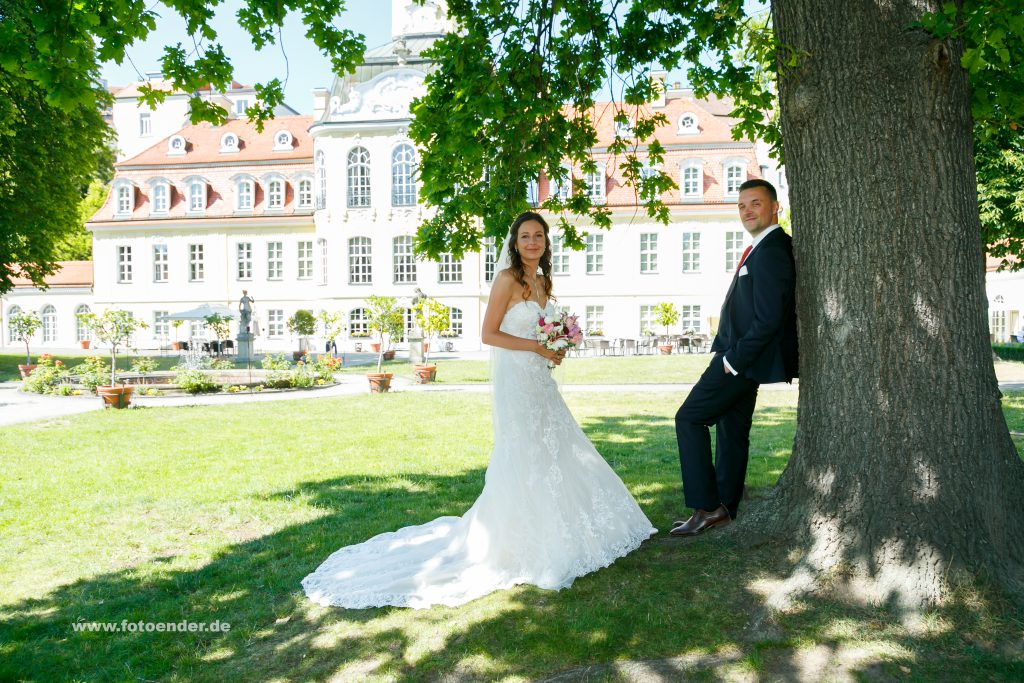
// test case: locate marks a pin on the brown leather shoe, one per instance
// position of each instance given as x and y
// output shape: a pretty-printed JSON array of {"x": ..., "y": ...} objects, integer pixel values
[{"x": 701, "y": 521}]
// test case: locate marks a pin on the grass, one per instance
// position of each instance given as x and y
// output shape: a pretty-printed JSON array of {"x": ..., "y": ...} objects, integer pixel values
[
  {"x": 203, "y": 514},
  {"x": 681, "y": 368}
]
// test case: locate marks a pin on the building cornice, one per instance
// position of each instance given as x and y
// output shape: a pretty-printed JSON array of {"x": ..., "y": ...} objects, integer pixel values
[
  {"x": 218, "y": 164},
  {"x": 218, "y": 223}
]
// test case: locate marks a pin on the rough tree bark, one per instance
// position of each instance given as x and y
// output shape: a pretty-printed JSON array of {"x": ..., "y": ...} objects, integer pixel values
[{"x": 903, "y": 473}]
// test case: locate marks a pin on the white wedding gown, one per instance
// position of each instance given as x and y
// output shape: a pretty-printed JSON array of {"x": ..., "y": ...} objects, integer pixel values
[{"x": 551, "y": 508}]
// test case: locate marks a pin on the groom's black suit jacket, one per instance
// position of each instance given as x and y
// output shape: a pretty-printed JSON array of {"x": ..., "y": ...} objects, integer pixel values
[{"x": 757, "y": 329}]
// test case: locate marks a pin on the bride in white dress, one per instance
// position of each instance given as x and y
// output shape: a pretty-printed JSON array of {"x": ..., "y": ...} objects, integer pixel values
[{"x": 551, "y": 509}]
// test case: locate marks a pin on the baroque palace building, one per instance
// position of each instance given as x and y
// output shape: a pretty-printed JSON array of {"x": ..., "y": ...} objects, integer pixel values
[{"x": 320, "y": 212}]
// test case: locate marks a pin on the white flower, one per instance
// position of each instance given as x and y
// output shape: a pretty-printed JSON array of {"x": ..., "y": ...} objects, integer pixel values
[
  {"x": 559, "y": 344},
  {"x": 550, "y": 319}
]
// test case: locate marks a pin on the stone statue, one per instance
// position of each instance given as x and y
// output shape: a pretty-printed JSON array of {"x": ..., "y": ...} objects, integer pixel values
[{"x": 245, "y": 308}]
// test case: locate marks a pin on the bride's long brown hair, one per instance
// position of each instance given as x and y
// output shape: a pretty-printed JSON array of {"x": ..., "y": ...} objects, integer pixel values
[{"x": 518, "y": 271}]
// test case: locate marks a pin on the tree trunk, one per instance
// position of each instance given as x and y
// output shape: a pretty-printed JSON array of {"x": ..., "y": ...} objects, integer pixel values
[{"x": 903, "y": 473}]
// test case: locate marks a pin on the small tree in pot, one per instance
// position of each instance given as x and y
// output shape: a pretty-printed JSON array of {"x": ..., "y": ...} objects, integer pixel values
[
  {"x": 433, "y": 318},
  {"x": 332, "y": 326},
  {"x": 113, "y": 327},
  {"x": 384, "y": 318},
  {"x": 666, "y": 315},
  {"x": 24, "y": 326},
  {"x": 302, "y": 324}
]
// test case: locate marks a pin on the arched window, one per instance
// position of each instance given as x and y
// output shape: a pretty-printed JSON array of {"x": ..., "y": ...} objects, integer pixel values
[
  {"x": 735, "y": 174},
  {"x": 125, "y": 196},
  {"x": 275, "y": 194},
  {"x": 691, "y": 179},
  {"x": 81, "y": 331},
  {"x": 358, "y": 324},
  {"x": 161, "y": 198},
  {"x": 245, "y": 191},
  {"x": 228, "y": 143},
  {"x": 49, "y": 318},
  {"x": 305, "y": 194},
  {"x": 596, "y": 184},
  {"x": 561, "y": 188},
  {"x": 403, "y": 176},
  {"x": 360, "y": 261},
  {"x": 12, "y": 336},
  {"x": 358, "y": 178},
  {"x": 196, "y": 188}
]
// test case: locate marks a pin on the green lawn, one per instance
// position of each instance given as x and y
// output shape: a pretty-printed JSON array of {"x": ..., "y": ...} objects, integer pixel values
[
  {"x": 681, "y": 368},
  {"x": 204, "y": 514}
]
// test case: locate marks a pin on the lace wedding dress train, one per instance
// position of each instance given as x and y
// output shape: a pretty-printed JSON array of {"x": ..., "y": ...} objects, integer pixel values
[{"x": 551, "y": 509}]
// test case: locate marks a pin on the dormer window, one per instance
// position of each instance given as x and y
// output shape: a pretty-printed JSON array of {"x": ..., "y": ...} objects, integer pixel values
[
  {"x": 688, "y": 124},
  {"x": 595, "y": 181},
  {"x": 176, "y": 145},
  {"x": 228, "y": 143},
  {"x": 624, "y": 129},
  {"x": 283, "y": 141},
  {"x": 195, "y": 189},
  {"x": 735, "y": 172},
  {"x": 245, "y": 190},
  {"x": 240, "y": 106},
  {"x": 691, "y": 178},
  {"x": 275, "y": 194},
  {"x": 124, "y": 197},
  {"x": 160, "y": 194}
]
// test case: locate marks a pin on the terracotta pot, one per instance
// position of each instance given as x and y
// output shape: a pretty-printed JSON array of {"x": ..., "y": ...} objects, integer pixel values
[
  {"x": 426, "y": 347},
  {"x": 666, "y": 350},
  {"x": 116, "y": 397},
  {"x": 380, "y": 382},
  {"x": 375, "y": 347},
  {"x": 175, "y": 346},
  {"x": 26, "y": 370},
  {"x": 389, "y": 355},
  {"x": 425, "y": 373},
  {"x": 85, "y": 343}
]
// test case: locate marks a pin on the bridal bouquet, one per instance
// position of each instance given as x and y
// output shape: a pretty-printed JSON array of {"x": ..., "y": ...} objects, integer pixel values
[{"x": 558, "y": 332}]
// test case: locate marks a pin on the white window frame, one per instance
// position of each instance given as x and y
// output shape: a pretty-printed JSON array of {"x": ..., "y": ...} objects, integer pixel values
[
  {"x": 12, "y": 336},
  {"x": 245, "y": 188},
  {"x": 594, "y": 318},
  {"x": 358, "y": 322},
  {"x": 561, "y": 190},
  {"x": 196, "y": 263},
  {"x": 596, "y": 182},
  {"x": 196, "y": 188},
  {"x": 691, "y": 252},
  {"x": 690, "y": 317},
  {"x": 82, "y": 331},
  {"x": 275, "y": 260},
  {"x": 177, "y": 145},
  {"x": 124, "y": 198},
  {"x": 360, "y": 260},
  {"x": 304, "y": 259},
  {"x": 321, "y": 180},
  {"x": 533, "y": 193},
  {"x": 455, "y": 321},
  {"x": 734, "y": 174},
  {"x": 161, "y": 326},
  {"x": 322, "y": 243},
  {"x": 124, "y": 263},
  {"x": 283, "y": 141},
  {"x": 490, "y": 252},
  {"x": 161, "y": 263},
  {"x": 241, "y": 105},
  {"x": 276, "y": 190},
  {"x": 449, "y": 270},
  {"x": 691, "y": 188},
  {"x": 243, "y": 261},
  {"x": 559, "y": 256},
  {"x": 595, "y": 254},
  {"x": 229, "y": 143},
  {"x": 48, "y": 316},
  {"x": 689, "y": 124},
  {"x": 733, "y": 249},
  {"x": 359, "y": 188},
  {"x": 649, "y": 252},
  {"x": 303, "y": 192},
  {"x": 647, "y": 319},
  {"x": 404, "y": 188},
  {"x": 145, "y": 124},
  {"x": 403, "y": 259},
  {"x": 275, "y": 323}
]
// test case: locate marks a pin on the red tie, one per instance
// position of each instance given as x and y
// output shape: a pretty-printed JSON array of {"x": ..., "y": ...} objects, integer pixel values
[{"x": 744, "y": 257}]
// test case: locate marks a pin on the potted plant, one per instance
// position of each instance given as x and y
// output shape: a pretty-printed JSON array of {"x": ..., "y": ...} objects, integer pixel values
[
  {"x": 434, "y": 318},
  {"x": 385, "y": 320},
  {"x": 332, "y": 326},
  {"x": 176, "y": 345},
  {"x": 23, "y": 326},
  {"x": 221, "y": 326},
  {"x": 85, "y": 343},
  {"x": 113, "y": 327},
  {"x": 302, "y": 324},
  {"x": 666, "y": 315}
]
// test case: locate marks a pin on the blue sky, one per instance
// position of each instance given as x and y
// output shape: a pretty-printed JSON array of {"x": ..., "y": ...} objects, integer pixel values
[{"x": 305, "y": 68}]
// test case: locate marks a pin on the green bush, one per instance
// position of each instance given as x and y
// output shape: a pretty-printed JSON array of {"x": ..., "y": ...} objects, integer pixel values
[
  {"x": 45, "y": 379},
  {"x": 1009, "y": 351},
  {"x": 278, "y": 362},
  {"x": 195, "y": 381},
  {"x": 223, "y": 364},
  {"x": 279, "y": 379},
  {"x": 93, "y": 372}
]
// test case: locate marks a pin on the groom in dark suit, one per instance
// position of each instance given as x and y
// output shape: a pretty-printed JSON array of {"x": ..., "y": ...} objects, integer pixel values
[{"x": 756, "y": 344}]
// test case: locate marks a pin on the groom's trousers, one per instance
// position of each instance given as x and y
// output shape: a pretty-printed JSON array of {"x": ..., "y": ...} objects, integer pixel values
[{"x": 726, "y": 401}]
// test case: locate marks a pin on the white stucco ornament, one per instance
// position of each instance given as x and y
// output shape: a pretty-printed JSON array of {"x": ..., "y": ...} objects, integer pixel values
[{"x": 388, "y": 96}]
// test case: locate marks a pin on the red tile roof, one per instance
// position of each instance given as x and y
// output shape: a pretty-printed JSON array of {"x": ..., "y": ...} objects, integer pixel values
[
  {"x": 203, "y": 143},
  {"x": 70, "y": 274}
]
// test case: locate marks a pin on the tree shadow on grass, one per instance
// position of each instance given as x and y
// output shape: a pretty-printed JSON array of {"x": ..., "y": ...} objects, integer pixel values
[{"x": 672, "y": 610}]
